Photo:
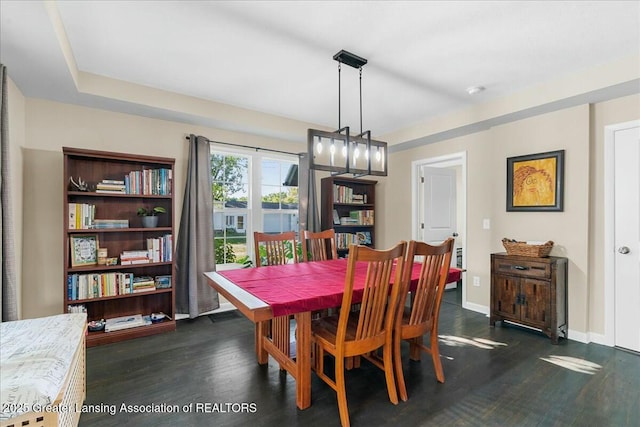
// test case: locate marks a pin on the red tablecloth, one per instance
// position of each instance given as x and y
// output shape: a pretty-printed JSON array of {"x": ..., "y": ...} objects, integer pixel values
[{"x": 306, "y": 286}]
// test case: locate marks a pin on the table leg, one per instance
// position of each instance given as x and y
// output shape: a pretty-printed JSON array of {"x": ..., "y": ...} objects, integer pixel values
[
  {"x": 262, "y": 332},
  {"x": 303, "y": 360}
]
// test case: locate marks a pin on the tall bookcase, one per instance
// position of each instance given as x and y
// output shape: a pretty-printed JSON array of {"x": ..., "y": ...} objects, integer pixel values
[
  {"x": 353, "y": 201},
  {"x": 107, "y": 291}
]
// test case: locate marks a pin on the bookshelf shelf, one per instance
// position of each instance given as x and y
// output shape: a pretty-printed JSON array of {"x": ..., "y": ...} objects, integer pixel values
[
  {"x": 337, "y": 194},
  {"x": 141, "y": 294},
  {"x": 92, "y": 268},
  {"x": 119, "y": 230},
  {"x": 151, "y": 179},
  {"x": 111, "y": 195}
]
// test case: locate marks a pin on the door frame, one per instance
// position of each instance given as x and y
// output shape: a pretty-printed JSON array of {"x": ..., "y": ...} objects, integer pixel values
[
  {"x": 448, "y": 160},
  {"x": 609, "y": 229}
]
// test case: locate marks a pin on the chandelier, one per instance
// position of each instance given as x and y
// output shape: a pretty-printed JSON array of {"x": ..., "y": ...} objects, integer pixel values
[{"x": 339, "y": 152}]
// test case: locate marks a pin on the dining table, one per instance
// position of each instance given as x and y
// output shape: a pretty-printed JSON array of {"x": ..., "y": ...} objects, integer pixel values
[{"x": 298, "y": 290}]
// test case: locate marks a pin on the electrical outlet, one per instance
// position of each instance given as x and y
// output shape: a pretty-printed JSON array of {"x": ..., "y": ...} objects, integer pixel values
[
  {"x": 486, "y": 223},
  {"x": 476, "y": 281}
]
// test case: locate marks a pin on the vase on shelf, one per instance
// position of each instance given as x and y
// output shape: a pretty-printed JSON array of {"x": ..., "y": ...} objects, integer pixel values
[{"x": 149, "y": 221}]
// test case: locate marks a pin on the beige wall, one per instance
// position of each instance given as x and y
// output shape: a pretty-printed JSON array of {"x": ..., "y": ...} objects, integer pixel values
[
  {"x": 569, "y": 130},
  {"x": 49, "y": 127}
]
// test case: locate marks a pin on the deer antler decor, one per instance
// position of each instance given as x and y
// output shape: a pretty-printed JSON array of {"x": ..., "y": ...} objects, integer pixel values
[{"x": 78, "y": 186}]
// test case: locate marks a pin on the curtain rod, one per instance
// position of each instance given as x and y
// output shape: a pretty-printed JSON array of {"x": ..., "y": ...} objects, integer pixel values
[{"x": 254, "y": 148}]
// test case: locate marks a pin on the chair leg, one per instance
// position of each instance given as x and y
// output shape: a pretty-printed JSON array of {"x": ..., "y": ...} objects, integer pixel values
[
  {"x": 387, "y": 356},
  {"x": 397, "y": 362},
  {"x": 341, "y": 392},
  {"x": 435, "y": 355},
  {"x": 352, "y": 362},
  {"x": 414, "y": 348}
]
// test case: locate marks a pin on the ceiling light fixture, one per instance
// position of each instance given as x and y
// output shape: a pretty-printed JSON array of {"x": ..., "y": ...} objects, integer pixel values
[
  {"x": 356, "y": 154},
  {"x": 472, "y": 90}
]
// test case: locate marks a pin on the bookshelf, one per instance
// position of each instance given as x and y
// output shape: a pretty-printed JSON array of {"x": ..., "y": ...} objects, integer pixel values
[
  {"x": 353, "y": 200},
  {"x": 104, "y": 215}
]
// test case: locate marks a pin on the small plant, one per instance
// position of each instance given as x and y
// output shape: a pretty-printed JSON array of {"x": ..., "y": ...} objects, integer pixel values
[
  {"x": 151, "y": 212},
  {"x": 245, "y": 261}
]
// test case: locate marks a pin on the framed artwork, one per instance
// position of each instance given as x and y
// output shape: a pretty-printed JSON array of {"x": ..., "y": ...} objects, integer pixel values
[
  {"x": 84, "y": 250},
  {"x": 536, "y": 182}
]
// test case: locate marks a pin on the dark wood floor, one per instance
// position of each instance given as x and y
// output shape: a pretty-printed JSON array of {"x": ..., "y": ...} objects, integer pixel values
[{"x": 494, "y": 377}]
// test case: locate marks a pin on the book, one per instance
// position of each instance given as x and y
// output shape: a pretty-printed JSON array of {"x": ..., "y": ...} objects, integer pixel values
[
  {"x": 345, "y": 220},
  {"x": 364, "y": 237},
  {"x": 110, "y": 191},
  {"x": 72, "y": 216},
  {"x": 336, "y": 218},
  {"x": 163, "y": 282},
  {"x": 110, "y": 186},
  {"x": 110, "y": 223},
  {"x": 134, "y": 257},
  {"x": 135, "y": 261},
  {"x": 144, "y": 289}
]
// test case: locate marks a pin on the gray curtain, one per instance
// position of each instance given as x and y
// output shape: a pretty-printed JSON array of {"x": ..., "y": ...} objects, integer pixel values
[
  {"x": 308, "y": 201},
  {"x": 194, "y": 251},
  {"x": 9, "y": 294}
]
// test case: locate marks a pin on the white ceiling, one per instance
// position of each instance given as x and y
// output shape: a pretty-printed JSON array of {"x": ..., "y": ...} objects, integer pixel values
[{"x": 275, "y": 57}]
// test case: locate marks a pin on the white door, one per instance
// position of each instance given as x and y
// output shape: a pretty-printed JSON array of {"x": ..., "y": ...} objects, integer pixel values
[
  {"x": 627, "y": 237},
  {"x": 439, "y": 204}
]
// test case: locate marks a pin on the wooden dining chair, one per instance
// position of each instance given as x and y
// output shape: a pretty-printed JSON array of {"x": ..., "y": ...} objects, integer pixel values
[
  {"x": 421, "y": 316},
  {"x": 275, "y": 249},
  {"x": 315, "y": 244},
  {"x": 349, "y": 334}
]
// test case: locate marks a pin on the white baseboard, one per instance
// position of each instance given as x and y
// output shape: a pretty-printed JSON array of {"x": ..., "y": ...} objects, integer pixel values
[
  {"x": 476, "y": 307},
  {"x": 600, "y": 339},
  {"x": 578, "y": 336}
]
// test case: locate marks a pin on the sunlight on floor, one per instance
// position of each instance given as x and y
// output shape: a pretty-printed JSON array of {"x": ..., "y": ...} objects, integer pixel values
[
  {"x": 454, "y": 341},
  {"x": 575, "y": 364}
]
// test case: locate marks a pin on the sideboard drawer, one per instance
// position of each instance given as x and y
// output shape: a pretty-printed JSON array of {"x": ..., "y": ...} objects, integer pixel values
[{"x": 522, "y": 268}]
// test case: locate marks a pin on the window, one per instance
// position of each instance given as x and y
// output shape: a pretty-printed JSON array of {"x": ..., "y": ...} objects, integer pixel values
[
  {"x": 251, "y": 191},
  {"x": 240, "y": 222},
  {"x": 230, "y": 187},
  {"x": 279, "y": 203}
]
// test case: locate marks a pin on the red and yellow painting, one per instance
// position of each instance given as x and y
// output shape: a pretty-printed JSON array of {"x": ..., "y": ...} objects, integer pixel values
[{"x": 534, "y": 182}]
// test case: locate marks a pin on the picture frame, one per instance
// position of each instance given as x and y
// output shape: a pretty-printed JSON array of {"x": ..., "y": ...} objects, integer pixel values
[
  {"x": 84, "y": 250},
  {"x": 535, "y": 182}
]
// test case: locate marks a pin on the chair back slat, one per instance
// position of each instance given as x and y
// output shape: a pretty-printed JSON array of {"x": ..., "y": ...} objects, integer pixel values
[
  {"x": 276, "y": 246},
  {"x": 314, "y": 245}
]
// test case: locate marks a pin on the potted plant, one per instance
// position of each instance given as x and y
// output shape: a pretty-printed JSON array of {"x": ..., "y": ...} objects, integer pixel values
[{"x": 150, "y": 216}]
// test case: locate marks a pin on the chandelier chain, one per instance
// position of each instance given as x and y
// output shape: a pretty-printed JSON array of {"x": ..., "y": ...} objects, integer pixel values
[{"x": 360, "y": 99}]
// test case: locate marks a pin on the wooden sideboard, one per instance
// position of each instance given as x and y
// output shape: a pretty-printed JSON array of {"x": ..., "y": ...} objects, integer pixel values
[{"x": 531, "y": 292}]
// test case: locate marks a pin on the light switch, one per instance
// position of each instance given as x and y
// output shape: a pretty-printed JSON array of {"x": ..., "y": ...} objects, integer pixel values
[{"x": 486, "y": 223}]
